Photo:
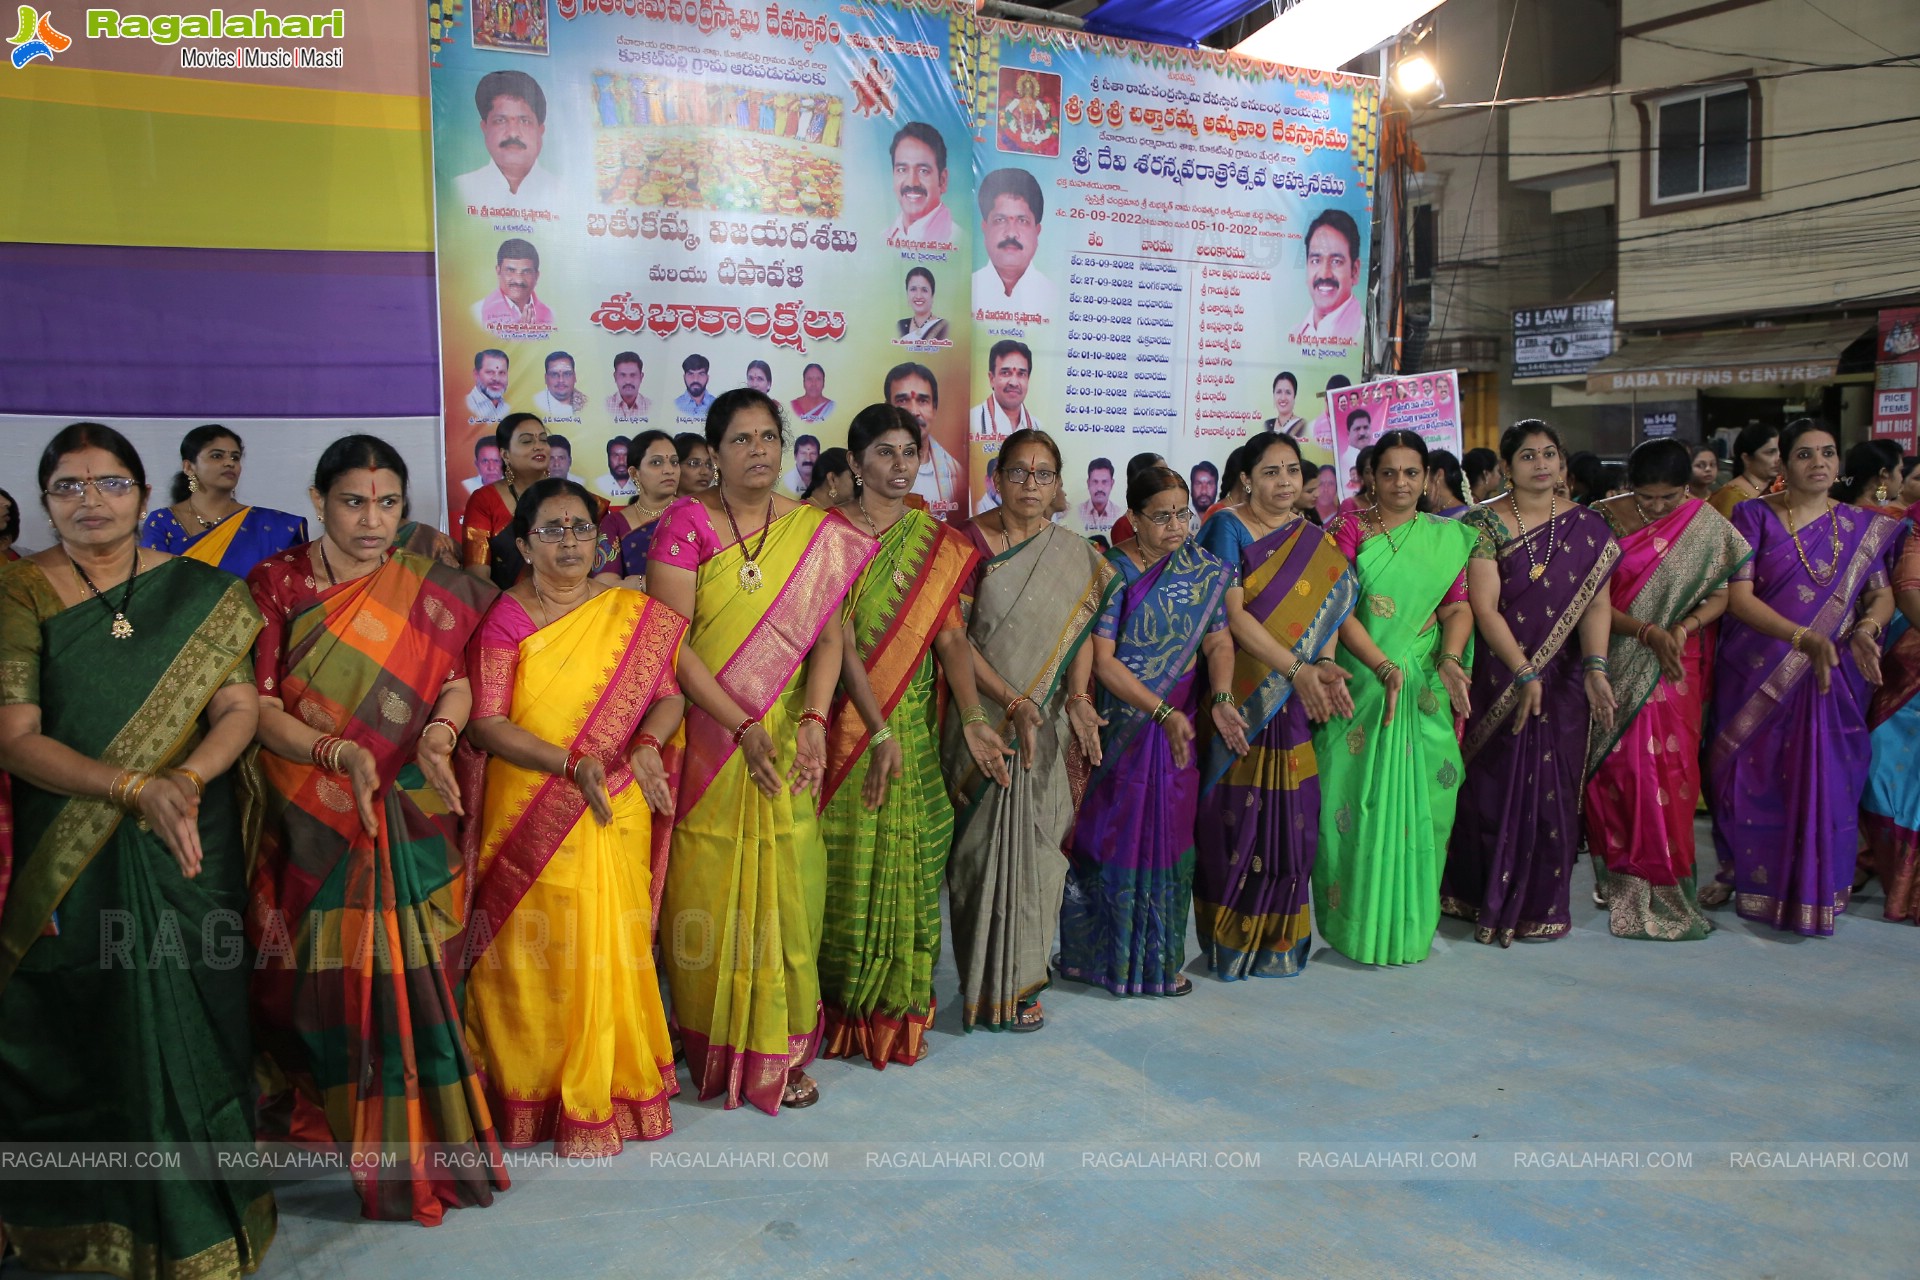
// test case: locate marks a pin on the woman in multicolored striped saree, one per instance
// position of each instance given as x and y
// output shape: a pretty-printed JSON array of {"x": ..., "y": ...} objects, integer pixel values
[
  {"x": 1643, "y": 771},
  {"x": 359, "y": 883},
  {"x": 887, "y": 819},
  {"x": 1390, "y": 776},
  {"x": 763, "y": 578},
  {"x": 1259, "y": 826},
  {"x": 125, "y": 701},
  {"x": 1123, "y": 925},
  {"x": 574, "y": 700},
  {"x": 1030, "y": 607}
]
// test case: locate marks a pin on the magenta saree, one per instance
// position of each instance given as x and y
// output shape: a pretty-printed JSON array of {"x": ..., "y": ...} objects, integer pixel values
[
  {"x": 1788, "y": 763},
  {"x": 1644, "y": 772}
]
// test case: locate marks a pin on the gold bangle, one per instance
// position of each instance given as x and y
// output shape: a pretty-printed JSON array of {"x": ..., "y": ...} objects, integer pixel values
[
  {"x": 885, "y": 735},
  {"x": 199, "y": 783},
  {"x": 976, "y": 714},
  {"x": 1793, "y": 641}
]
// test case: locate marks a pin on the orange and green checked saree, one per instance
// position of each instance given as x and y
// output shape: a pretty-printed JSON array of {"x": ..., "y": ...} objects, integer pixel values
[
  {"x": 882, "y": 933},
  {"x": 355, "y": 1012}
]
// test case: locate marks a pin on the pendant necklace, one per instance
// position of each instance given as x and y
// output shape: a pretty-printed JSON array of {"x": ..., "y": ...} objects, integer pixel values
[
  {"x": 751, "y": 579},
  {"x": 121, "y": 629},
  {"x": 1537, "y": 571}
]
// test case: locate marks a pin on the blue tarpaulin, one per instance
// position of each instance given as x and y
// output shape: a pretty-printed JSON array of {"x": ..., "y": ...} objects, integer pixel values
[{"x": 1175, "y": 22}]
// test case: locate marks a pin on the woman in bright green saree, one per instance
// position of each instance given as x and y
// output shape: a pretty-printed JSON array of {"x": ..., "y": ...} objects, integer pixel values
[
  {"x": 762, "y": 578},
  {"x": 1390, "y": 776},
  {"x": 125, "y": 700},
  {"x": 887, "y": 819}
]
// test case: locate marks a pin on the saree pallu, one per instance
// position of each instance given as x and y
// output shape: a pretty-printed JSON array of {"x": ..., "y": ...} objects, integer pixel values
[
  {"x": 1123, "y": 918},
  {"x": 423, "y": 539},
  {"x": 1517, "y": 827},
  {"x": 1644, "y": 772},
  {"x": 1788, "y": 763},
  {"x": 562, "y": 996},
  {"x": 1890, "y": 808},
  {"x": 1388, "y": 790},
  {"x": 354, "y": 1003},
  {"x": 235, "y": 545},
  {"x": 123, "y": 1014},
  {"x": 1030, "y": 613},
  {"x": 1033, "y": 607},
  {"x": 746, "y": 882},
  {"x": 1259, "y": 825},
  {"x": 881, "y": 937}
]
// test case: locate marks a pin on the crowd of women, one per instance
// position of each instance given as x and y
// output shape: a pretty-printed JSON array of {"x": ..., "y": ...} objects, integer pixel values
[{"x": 463, "y": 798}]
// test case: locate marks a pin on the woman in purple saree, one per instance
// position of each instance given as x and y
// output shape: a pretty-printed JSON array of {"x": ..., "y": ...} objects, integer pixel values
[
  {"x": 1798, "y": 654},
  {"x": 1538, "y": 586},
  {"x": 1123, "y": 923}
]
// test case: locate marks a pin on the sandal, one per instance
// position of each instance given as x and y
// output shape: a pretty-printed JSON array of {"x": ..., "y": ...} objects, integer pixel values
[
  {"x": 803, "y": 1092},
  {"x": 1183, "y": 987},
  {"x": 1028, "y": 1019}
]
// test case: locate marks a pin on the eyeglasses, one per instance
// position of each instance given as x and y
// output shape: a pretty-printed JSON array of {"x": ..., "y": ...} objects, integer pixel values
[
  {"x": 1020, "y": 475},
  {"x": 581, "y": 530},
  {"x": 105, "y": 486},
  {"x": 1161, "y": 519}
]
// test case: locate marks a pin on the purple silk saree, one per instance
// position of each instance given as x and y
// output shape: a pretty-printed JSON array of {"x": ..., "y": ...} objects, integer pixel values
[
  {"x": 1788, "y": 763},
  {"x": 1517, "y": 827}
]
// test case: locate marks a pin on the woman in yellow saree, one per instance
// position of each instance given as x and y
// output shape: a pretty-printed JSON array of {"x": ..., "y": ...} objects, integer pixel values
[
  {"x": 574, "y": 695},
  {"x": 762, "y": 577}
]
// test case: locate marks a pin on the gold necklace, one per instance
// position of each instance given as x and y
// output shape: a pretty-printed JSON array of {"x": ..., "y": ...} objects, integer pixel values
[
  {"x": 1537, "y": 571},
  {"x": 650, "y": 512},
  {"x": 1393, "y": 548},
  {"x": 1833, "y": 528},
  {"x": 861, "y": 502}
]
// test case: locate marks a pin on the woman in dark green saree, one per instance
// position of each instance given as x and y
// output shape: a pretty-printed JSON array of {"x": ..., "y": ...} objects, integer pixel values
[{"x": 125, "y": 700}]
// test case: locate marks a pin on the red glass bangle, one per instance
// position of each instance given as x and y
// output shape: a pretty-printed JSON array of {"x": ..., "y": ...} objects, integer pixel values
[
  {"x": 741, "y": 731},
  {"x": 648, "y": 740},
  {"x": 574, "y": 760}
]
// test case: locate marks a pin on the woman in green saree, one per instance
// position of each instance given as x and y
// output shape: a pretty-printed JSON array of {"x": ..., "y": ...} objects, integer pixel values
[
  {"x": 887, "y": 835},
  {"x": 1390, "y": 776},
  {"x": 125, "y": 701}
]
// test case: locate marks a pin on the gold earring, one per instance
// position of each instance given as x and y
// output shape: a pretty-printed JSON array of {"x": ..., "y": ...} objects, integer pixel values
[
  {"x": 193, "y": 483},
  {"x": 1880, "y": 494}
]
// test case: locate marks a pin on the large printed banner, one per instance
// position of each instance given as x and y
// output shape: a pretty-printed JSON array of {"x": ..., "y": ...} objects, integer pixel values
[
  {"x": 643, "y": 203},
  {"x": 1172, "y": 248},
  {"x": 1425, "y": 403}
]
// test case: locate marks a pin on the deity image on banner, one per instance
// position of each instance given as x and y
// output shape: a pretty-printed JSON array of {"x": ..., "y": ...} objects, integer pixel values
[
  {"x": 702, "y": 144},
  {"x": 1029, "y": 112},
  {"x": 512, "y": 26}
]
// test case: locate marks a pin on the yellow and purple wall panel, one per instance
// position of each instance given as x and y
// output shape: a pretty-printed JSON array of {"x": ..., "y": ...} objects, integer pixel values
[{"x": 221, "y": 242}]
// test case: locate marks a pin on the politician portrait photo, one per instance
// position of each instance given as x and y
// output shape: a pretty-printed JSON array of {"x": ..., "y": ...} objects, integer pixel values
[
  {"x": 514, "y": 309},
  {"x": 922, "y": 326},
  {"x": 1011, "y": 207},
  {"x": 513, "y": 123},
  {"x": 1333, "y": 269},
  {"x": 919, "y": 156}
]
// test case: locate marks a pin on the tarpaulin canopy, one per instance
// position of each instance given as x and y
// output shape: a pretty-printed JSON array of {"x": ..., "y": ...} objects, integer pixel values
[{"x": 1175, "y": 22}]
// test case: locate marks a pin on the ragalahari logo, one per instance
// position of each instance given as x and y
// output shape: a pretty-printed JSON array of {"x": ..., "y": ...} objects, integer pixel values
[{"x": 38, "y": 38}]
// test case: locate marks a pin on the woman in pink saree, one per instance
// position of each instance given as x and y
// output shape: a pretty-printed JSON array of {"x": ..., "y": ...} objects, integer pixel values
[{"x": 1643, "y": 772}]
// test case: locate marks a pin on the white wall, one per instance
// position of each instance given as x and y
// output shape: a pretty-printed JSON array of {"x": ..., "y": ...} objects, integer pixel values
[{"x": 281, "y": 453}]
